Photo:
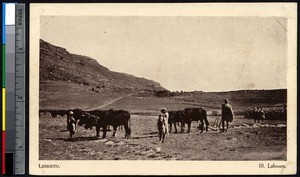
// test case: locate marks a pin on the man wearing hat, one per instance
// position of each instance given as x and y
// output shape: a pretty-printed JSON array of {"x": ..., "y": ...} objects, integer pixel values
[
  {"x": 162, "y": 124},
  {"x": 71, "y": 123},
  {"x": 227, "y": 115}
]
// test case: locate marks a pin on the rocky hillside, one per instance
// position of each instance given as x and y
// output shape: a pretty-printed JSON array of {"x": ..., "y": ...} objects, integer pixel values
[{"x": 57, "y": 64}]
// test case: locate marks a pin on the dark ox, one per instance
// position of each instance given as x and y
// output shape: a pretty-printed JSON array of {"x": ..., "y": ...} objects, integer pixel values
[
  {"x": 42, "y": 112},
  {"x": 101, "y": 118},
  {"x": 196, "y": 114},
  {"x": 258, "y": 115},
  {"x": 55, "y": 113},
  {"x": 176, "y": 117}
]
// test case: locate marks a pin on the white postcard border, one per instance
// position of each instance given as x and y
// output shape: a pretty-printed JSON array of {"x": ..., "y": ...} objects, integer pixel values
[{"x": 138, "y": 167}]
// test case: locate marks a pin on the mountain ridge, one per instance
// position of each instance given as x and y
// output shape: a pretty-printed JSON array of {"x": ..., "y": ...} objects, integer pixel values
[{"x": 57, "y": 64}]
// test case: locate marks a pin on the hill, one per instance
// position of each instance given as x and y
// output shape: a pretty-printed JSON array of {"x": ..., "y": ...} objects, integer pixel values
[
  {"x": 57, "y": 64},
  {"x": 73, "y": 81}
]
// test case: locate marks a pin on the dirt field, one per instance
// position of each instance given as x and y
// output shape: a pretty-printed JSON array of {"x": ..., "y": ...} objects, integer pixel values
[{"x": 243, "y": 141}]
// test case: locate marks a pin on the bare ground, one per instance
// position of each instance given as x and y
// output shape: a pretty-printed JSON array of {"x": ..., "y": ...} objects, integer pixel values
[{"x": 243, "y": 141}]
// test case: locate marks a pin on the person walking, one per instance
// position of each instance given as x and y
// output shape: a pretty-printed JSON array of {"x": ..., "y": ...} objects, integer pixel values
[
  {"x": 227, "y": 115},
  {"x": 162, "y": 124}
]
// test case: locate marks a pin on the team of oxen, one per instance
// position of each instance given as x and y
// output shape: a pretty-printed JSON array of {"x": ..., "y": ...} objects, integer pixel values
[{"x": 115, "y": 118}]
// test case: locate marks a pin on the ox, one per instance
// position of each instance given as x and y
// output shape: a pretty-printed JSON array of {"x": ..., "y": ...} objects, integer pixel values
[
  {"x": 100, "y": 118},
  {"x": 90, "y": 119},
  {"x": 258, "y": 115},
  {"x": 176, "y": 117},
  {"x": 55, "y": 113},
  {"x": 195, "y": 114},
  {"x": 117, "y": 118},
  {"x": 42, "y": 112}
]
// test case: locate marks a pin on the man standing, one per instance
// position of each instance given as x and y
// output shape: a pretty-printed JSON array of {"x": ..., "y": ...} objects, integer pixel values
[
  {"x": 71, "y": 123},
  {"x": 227, "y": 115},
  {"x": 162, "y": 124},
  {"x": 262, "y": 114}
]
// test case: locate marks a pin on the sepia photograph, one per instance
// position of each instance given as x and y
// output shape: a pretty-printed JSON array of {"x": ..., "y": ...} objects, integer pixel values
[{"x": 162, "y": 88}]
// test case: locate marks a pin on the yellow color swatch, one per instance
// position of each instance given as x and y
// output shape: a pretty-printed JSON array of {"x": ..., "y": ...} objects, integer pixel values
[{"x": 3, "y": 109}]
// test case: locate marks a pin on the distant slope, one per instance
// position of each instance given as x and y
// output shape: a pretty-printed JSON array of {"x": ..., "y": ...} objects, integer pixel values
[
  {"x": 240, "y": 100},
  {"x": 74, "y": 81},
  {"x": 57, "y": 64}
]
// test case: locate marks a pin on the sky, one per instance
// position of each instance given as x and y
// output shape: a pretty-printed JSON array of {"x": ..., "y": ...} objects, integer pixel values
[{"x": 181, "y": 53}]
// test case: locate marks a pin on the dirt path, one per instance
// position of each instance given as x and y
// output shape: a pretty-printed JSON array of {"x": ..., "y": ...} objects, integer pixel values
[{"x": 111, "y": 102}]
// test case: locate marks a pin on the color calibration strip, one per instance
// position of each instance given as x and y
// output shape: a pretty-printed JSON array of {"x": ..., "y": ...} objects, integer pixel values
[
  {"x": 8, "y": 87},
  {"x": 13, "y": 89},
  {"x": 3, "y": 165}
]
